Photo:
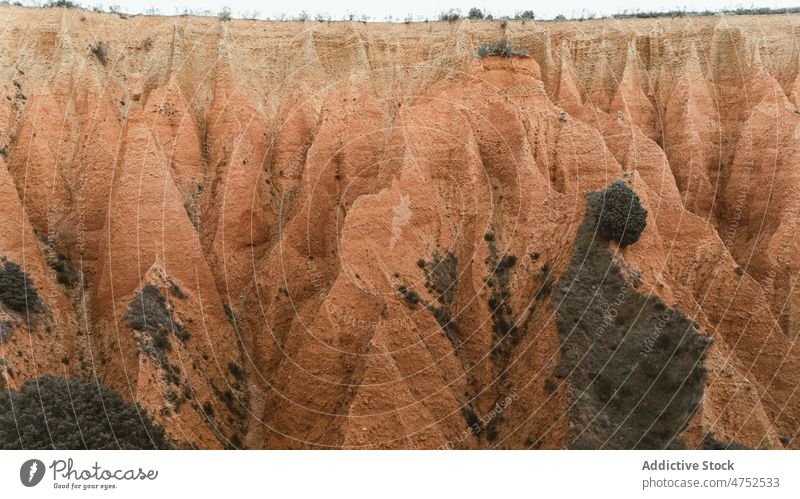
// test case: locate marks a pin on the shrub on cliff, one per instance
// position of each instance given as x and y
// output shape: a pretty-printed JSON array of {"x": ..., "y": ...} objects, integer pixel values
[
  {"x": 150, "y": 314},
  {"x": 52, "y": 412},
  {"x": 501, "y": 48},
  {"x": 16, "y": 288},
  {"x": 67, "y": 274},
  {"x": 622, "y": 217},
  {"x": 100, "y": 51}
]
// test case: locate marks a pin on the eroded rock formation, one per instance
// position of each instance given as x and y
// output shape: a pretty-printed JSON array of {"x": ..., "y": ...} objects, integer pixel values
[{"x": 360, "y": 235}]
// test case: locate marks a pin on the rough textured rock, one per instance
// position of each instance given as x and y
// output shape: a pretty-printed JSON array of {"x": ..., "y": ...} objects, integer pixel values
[{"x": 353, "y": 232}]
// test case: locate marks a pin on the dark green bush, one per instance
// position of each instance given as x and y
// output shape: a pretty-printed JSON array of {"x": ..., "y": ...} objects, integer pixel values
[
  {"x": 622, "y": 216},
  {"x": 475, "y": 13},
  {"x": 16, "y": 289},
  {"x": 52, "y": 412}
]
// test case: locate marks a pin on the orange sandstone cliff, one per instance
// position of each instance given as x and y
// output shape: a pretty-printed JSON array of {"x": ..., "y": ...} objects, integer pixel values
[{"x": 366, "y": 236}]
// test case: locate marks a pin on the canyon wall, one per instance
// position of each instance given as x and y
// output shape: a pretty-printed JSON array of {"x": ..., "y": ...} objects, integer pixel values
[{"x": 340, "y": 234}]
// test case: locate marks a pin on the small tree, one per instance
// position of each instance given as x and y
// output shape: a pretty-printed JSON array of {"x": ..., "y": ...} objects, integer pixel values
[
  {"x": 52, "y": 412},
  {"x": 622, "y": 217},
  {"x": 475, "y": 13},
  {"x": 525, "y": 14}
]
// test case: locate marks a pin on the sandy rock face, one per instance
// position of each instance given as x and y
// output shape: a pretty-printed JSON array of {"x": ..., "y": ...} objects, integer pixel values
[{"x": 325, "y": 235}]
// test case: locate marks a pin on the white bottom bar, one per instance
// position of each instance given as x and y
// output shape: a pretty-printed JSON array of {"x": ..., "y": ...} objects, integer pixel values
[{"x": 403, "y": 474}]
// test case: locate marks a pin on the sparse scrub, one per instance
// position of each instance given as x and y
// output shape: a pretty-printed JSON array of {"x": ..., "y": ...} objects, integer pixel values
[
  {"x": 100, "y": 51},
  {"x": 234, "y": 404},
  {"x": 499, "y": 301},
  {"x": 52, "y": 412},
  {"x": 472, "y": 419},
  {"x": 66, "y": 273},
  {"x": 739, "y": 11},
  {"x": 506, "y": 327},
  {"x": 622, "y": 217},
  {"x": 409, "y": 296},
  {"x": 229, "y": 313},
  {"x": 63, "y": 3},
  {"x": 500, "y": 48},
  {"x": 176, "y": 290},
  {"x": 149, "y": 314},
  {"x": 441, "y": 276},
  {"x": 237, "y": 371},
  {"x": 451, "y": 15},
  {"x": 16, "y": 288}
]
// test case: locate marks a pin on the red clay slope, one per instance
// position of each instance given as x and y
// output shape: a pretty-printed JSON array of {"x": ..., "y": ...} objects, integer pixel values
[{"x": 279, "y": 182}]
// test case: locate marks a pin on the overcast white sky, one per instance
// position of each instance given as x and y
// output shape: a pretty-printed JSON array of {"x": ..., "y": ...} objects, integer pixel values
[{"x": 381, "y": 9}]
